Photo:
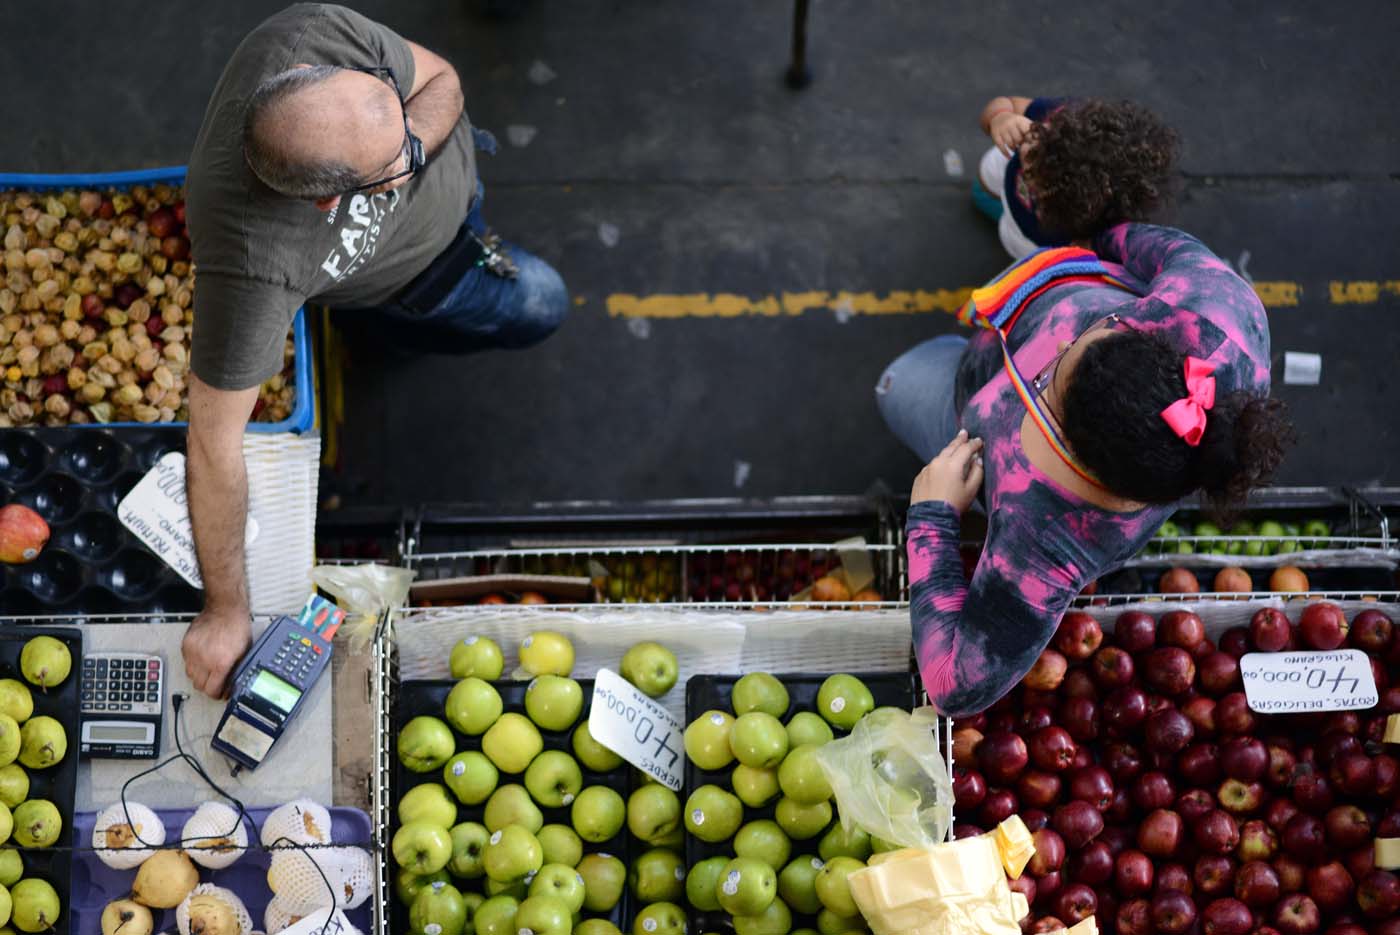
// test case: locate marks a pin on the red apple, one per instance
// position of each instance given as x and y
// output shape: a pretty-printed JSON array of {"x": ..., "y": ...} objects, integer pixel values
[
  {"x": 1235, "y": 641},
  {"x": 1270, "y": 630},
  {"x": 1045, "y": 924},
  {"x": 1378, "y": 894},
  {"x": 1033, "y": 718},
  {"x": 1361, "y": 861},
  {"x": 1200, "y": 711},
  {"x": 1292, "y": 875},
  {"x": 23, "y": 534},
  {"x": 1003, "y": 757},
  {"x": 999, "y": 805},
  {"x": 1335, "y": 745},
  {"x": 1214, "y": 875},
  {"x": 1257, "y": 884},
  {"x": 1048, "y": 886},
  {"x": 1232, "y": 714},
  {"x": 1160, "y": 833},
  {"x": 1048, "y": 671},
  {"x": 1077, "y": 684},
  {"x": 1038, "y": 789},
  {"x": 1330, "y": 886},
  {"x": 1034, "y": 819},
  {"x": 1312, "y": 792},
  {"x": 1281, "y": 767},
  {"x": 1323, "y": 626},
  {"x": 1173, "y": 912},
  {"x": 1153, "y": 790},
  {"x": 1168, "y": 731},
  {"x": 1227, "y": 917},
  {"x": 1123, "y": 761},
  {"x": 1304, "y": 837},
  {"x": 1133, "y": 873},
  {"x": 965, "y": 829},
  {"x": 1354, "y": 774},
  {"x": 1178, "y": 581},
  {"x": 1080, "y": 716},
  {"x": 1174, "y": 877},
  {"x": 1217, "y": 833},
  {"x": 1123, "y": 710},
  {"x": 1052, "y": 748},
  {"x": 1049, "y": 852},
  {"x": 1169, "y": 670},
  {"x": 1346, "y": 928},
  {"x": 1135, "y": 918},
  {"x": 1075, "y": 903},
  {"x": 969, "y": 788},
  {"x": 1297, "y": 914},
  {"x": 1199, "y": 764},
  {"x": 1077, "y": 822},
  {"x": 1135, "y": 631},
  {"x": 1181, "y": 628},
  {"x": 1244, "y": 758},
  {"x": 1117, "y": 837},
  {"x": 1078, "y": 635},
  {"x": 1092, "y": 784},
  {"x": 1240, "y": 798},
  {"x": 1387, "y": 775},
  {"x": 1388, "y": 927},
  {"x": 1219, "y": 673},
  {"x": 1348, "y": 722},
  {"x": 1194, "y": 804},
  {"x": 1280, "y": 812},
  {"x": 1389, "y": 825},
  {"x": 1092, "y": 865},
  {"x": 1112, "y": 667},
  {"x": 1121, "y": 808},
  {"x": 965, "y": 743},
  {"x": 1371, "y": 631},
  {"x": 1232, "y": 579},
  {"x": 1025, "y": 885},
  {"x": 1257, "y": 841}
]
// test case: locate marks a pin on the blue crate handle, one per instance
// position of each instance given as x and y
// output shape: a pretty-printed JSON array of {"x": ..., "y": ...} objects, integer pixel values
[{"x": 303, "y": 415}]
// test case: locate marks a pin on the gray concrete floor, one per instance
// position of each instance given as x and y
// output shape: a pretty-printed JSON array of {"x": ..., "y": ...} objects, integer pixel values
[{"x": 666, "y": 124}]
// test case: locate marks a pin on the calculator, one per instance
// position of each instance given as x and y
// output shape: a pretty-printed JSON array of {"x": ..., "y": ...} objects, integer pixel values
[{"x": 121, "y": 705}]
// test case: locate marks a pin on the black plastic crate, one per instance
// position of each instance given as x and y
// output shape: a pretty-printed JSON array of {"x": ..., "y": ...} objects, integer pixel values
[
  {"x": 427, "y": 697},
  {"x": 712, "y": 692},
  {"x": 58, "y": 783},
  {"x": 74, "y": 478}
]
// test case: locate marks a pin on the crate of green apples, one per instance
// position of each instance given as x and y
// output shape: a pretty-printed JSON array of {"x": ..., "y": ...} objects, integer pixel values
[{"x": 764, "y": 845}]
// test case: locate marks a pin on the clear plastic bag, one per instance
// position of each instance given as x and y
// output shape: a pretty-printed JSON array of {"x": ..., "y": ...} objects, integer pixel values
[
  {"x": 890, "y": 779},
  {"x": 364, "y": 592}
]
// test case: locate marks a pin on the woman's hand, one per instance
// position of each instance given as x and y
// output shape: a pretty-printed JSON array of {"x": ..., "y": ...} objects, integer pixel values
[
  {"x": 1008, "y": 130},
  {"x": 954, "y": 476}
]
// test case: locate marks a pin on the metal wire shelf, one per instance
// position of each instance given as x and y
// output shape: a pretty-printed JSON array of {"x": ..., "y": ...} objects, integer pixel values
[{"x": 1117, "y": 600}]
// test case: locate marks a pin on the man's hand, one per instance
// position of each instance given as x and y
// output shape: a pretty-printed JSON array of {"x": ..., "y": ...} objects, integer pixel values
[
  {"x": 212, "y": 646},
  {"x": 1009, "y": 130},
  {"x": 954, "y": 476}
]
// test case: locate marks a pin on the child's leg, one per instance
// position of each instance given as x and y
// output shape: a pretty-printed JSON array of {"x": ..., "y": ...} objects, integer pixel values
[{"x": 986, "y": 188}]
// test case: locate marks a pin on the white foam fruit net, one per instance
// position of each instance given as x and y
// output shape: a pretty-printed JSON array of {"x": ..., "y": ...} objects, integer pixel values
[
  {"x": 114, "y": 827},
  {"x": 301, "y": 887},
  {"x": 205, "y": 834},
  {"x": 207, "y": 893},
  {"x": 277, "y": 916},
  {"x": 301, "y": 821}
]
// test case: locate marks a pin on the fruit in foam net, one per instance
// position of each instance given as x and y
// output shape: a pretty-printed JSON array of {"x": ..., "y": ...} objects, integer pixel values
[
  {"x": 45, "y": 661},
  {"x": 37, "y": 823},
  {"x": 651, "y": 667},
  {"x": 301, "y": 821},
  {"x": 547, "y": 653},
  {"x": 23, "y": 534},
  {"x": 477, "y": 656},
  {"x": 35, "y": 906},
  {"x": 126, "y": 917},
  {"x": 212, "y": 910},
  {"x": 164, "y": 880},
  {"x": 123, "y": 835},
  {"x": 215, "y": 836}
]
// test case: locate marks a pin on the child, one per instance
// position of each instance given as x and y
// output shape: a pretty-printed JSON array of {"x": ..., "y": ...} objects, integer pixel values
[{"x": 1063, "y": 169}]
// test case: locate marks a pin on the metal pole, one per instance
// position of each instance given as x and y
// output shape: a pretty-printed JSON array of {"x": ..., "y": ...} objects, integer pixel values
[{"x": 798, "y": 74}]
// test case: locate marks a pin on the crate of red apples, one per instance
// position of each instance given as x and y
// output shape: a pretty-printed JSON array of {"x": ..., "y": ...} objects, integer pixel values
[{"x": 1161, "y": 804}]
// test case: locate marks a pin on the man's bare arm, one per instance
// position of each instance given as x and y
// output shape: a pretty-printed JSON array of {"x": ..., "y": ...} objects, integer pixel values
[{"x": 435, "y": 102}]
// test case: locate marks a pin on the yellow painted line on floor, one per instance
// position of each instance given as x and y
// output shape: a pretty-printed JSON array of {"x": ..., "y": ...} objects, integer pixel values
[
  {"x": 1278, "y": 294},
  {"x": 1361, "y": 291}
]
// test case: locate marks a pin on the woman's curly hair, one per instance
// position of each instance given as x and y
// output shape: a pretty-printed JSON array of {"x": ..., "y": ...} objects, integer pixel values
[{"x": 1092, "y": 164}]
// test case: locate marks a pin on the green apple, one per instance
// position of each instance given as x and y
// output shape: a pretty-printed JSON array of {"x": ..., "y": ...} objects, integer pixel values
[
  {"x": 496, "y": 916},
  {"x": 702, "y": 883},
  {"x": 473, "y": 902},
  {"x": 554, "y": 702},
  {"x": 422, "y": 847},
  {"x": 660, "y": 919},
  {"x": 1205, "y": 541},
  {"x": 11, "y": 866},
  {"x": 477, "y": 656},
  {"x": 428, "y": 802},
  {"x": 472, "y": 706},
  {"x": 707, "y": 740},
  {"x": 441, "y": 906},
  {"x": 515, "y": 889},
  {"x": 471, "y": 776},
  {"x": 591, "y": 753},
  {"x": 554, "y": 778},
  {"x": 763, "y": 840},
  {"x": 512, "y": 742},
  {"x": 547, "y": 653},
  {"x": 746, "y": 887},
  {"x": 797, "y": 884},
  {"x": 806, "y": 727},
  {"x": 843, "y": 700},
  {"x": 881, "y": 846},
  {"x": 511, "y": 853},
  {"x": 543, "y": 915},
  {"x": 1315, "y": 529},
  {"x": 651, "y": 667},
  {"x": 801, "y": 776},
  {"x": 596, "y": 927},
  {"x": 511, "y": 805},
  {"x": 564, "y": 883},
  {"x": 675, "y": 840},
  {"x": 653, "y": 812},
  {"x": 759, "y": 691},
  {"x": 838, "y": 842},
  {"x": 14, "y": 784},
  {"x": 829, "y": 923},
  {"x": 802, "y": 821},
  {"x": 804, "y": 932},
  {"x": 754, "y": 787},
  {"x": 712, "y": 814},
  {"x": 16, "y": 700},
  {"x": 561, "y": 845},
  {"x": 468, "y": 844},
  {"x": 425, "y": 743},
  {"x": 758, "y": 740},
  {"x": 658, "y": 876},
  {"x": 604, "y": 877},
  {"x": 775, "y": 920},
  {"x": 598, "y": 814},
  {"x": 1273, "y": 530},
  {"x": 834, "y": 890},
  {"x": 407, "y": 883}
]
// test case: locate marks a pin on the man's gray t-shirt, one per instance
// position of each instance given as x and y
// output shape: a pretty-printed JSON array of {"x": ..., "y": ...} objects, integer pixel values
[{"x": 260, "y": 255}]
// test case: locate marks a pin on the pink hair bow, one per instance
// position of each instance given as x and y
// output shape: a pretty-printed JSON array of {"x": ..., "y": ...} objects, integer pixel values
[{"x": 1187, "y": 416}]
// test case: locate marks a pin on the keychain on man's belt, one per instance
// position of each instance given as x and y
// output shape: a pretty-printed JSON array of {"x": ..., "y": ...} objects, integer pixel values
[{"x": 494, "y": 257}]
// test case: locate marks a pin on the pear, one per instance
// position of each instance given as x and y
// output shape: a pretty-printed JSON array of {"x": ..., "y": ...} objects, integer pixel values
[
  {"x": 14, "y": 784},
  {"x": 45, "y": 661},
  {"x": 301, "y": 821},
  {"x": 15, "y": 700},
  {"x": 127, "y": 917},
  {"x": 11, "y": 866},
  {"x": 6, "y": 905},
  {"x": 212, "y": 910},
  {"x": 36, "y": 905},
  {"x": 9, "y": 739},
  {"x": 43, "y": 742},
  {"x": 215, "y": 836},
  {"x": 37, "y": 823},
  {"x": 164, "y": 880},
  {"x": 124, "y": 834},
  {"x": 7, "y": 823}
]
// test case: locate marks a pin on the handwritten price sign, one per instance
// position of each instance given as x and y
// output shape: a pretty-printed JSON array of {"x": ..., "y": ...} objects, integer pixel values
[
  {"x": 636, "y": 728},
  {"x": 1285, "y": 683}
]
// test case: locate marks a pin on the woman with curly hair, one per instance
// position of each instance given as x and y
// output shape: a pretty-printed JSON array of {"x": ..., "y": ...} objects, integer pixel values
[{"x": 1061, "y": 170}]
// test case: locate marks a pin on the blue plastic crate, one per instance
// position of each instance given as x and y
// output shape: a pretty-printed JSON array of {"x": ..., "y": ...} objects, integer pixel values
[{"x": 303, "y": 416}]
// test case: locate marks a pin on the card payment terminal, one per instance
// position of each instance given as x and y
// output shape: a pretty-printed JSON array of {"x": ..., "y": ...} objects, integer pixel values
[{"x": 274, "y": 678}]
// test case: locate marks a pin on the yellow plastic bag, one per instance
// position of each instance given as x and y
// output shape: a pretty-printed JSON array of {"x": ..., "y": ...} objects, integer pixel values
[
  {"x": 889, "y": 778},
  {"x": 364, "y": 592}
]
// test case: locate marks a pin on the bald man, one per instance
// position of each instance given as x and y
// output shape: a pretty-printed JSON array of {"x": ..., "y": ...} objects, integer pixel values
[{"x": 335, "y": 165}]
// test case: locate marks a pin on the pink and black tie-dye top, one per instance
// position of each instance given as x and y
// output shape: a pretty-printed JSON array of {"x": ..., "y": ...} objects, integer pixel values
[{"x": 975, "y": 640}]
